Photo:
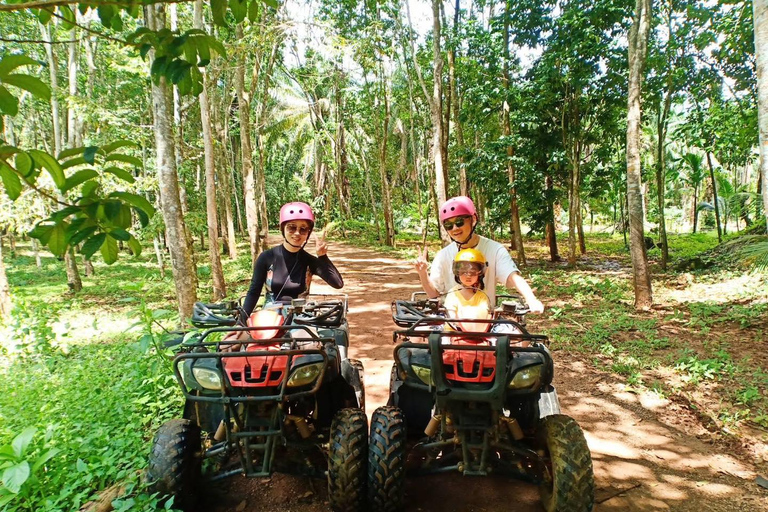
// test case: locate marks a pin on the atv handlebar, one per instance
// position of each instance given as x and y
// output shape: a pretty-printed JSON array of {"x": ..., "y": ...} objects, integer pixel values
[{"x": 215, "y": 315}]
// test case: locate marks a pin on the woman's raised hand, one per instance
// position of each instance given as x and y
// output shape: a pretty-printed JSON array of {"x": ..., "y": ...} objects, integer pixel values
[
  {"x": 422, "y": 262},
  {"x": 321, "y": 247}
]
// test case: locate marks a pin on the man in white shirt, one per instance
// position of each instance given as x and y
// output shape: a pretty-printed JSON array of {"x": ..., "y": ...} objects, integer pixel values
[{"x": 459, "y": 218}]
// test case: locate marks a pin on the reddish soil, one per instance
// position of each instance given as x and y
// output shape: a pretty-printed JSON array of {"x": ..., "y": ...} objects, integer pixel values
[{"x": 649, "y": 453}]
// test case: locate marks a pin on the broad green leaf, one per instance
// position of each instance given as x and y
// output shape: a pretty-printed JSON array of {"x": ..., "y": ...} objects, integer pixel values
[
  {"x": 6, "y": 452},
  {"x": 239, "y": 9},
  {"x": 124, "y": 218},
  {"x": 253, "y": 10},
  {"x": 11, "y": 181},
  {"x": 135, "y": 246},
  {"x": 92, "y": 245},
  {"x": 90, "y": 154},
  {"x": 44, "y": 16},
  {"x": 204, "y": 50},
  {"x": 7, "y": 151},
  {"x": 57, "y": 243},
  {"x": 22, "y": 441},
  {"x": 9, "y": 105},
  {"x": 11, "y": 62},
  {"x": 120, "y": 234},
  {"x": 108, "y": 148},
  {"x": 69, "y": 20},
  {"x": 29, "y": 83},
  {"x": 143, "y": 217},
  {"x": 82, "y": 235},
  {"x": 64, "y": 213},
  {"x": 135, "y": 200},
  {"x": 106, "y": 12},
  {"x": 81, "y": 466},
  {"x": 42, "y": 231},
  {"x": 109, "y": 250},
  {"x": 219, "y": 11},
  {"x": 50, "y": 164},
  {"x": 70, "y": 152},
  {"x": 217, "y": 46},
  {"x": 44, "y": 458},
  {"x": 24, "y": 164},
  {"x": 90, "y": 188},
  {"x": 119, "y": 157},
  {"x": 111, "y": 209},
  {"x": 80, "y": 160},
  {"x": 271, "y": 3},
  {"x": 78, "y": 178},
  {"x": 15, "y": 476},
  {"x": 121, "y": 173}
]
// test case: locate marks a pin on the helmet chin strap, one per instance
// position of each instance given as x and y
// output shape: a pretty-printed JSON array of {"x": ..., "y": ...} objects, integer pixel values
[
  {"x": 465, "y": 242},
  {"x": 297, "y": 246}
]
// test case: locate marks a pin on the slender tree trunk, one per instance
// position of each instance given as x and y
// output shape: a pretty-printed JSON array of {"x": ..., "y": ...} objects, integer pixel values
[
  {"x": 514, "y": 221},
  {"x": 36, "y": 252},
  {"x": 661, "y": 173},
  {"x": 638, "y": 45},
  {"x": 184, "y": 271},
  {"x": 249, "y": 182},
  {"x": 455, "y": 99},
  {"x": 389, "y": 223},
  {"x": 5, "y": 290},
  {"x": 714, "y": 197},
  {"x": 760, "y": 17},
  {"x": 159, "y": 256},
  {"x": 550, "y": 232},
  {"x": 217, "y": 273},
  {"x": 58, "y": 137},
  {"x": 436, "y": 107},
  {"x": 574, "y": 205}
]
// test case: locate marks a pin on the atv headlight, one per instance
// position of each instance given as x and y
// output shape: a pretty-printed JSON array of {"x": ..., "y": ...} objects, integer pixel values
[
  {"x": 207, "y": 378},
  {"x": 423, "y": 373},
  {"x": 304, "y": 375},
  {"x": 529, "y": 377}
]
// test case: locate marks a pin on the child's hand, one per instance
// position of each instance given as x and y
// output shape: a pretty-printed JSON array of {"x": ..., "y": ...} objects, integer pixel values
[
  {"x": 321, "y": 248},
  {"x": 535, "y": 306},
  {"x": 422, "y": 261}
]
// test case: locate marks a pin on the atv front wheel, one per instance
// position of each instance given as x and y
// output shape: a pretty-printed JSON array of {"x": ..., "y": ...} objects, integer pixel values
[
  {"x": 569, "y": 483},
  {"x": 174, "y": 462},
  {"x": 347, "y": 460},
  {"x": 386, "y": 460},
  {"x": 358, "y": 365}
]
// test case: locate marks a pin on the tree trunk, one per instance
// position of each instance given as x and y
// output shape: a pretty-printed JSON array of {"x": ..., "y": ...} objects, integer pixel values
[
  {"x": 217, "y": 273},
  {"x": 36, "y": 252},
  {"x": 638, "y": 45},
  {"x": 58, "y": 136},
  {"x": 74, "y": 283},
  {"x": 714, "y": 197},
  {"x": 249, "y": 182},
  {"x": 550, "y": 231},
  {"x": 184, "y": 271},
  {"x": 389, "y": 223},
  {"x": 72, "y": 131},
  {"x": 574, "y": 205},
  {"x": 159, "y": 256},
  {"x": 5, "y": 290},
  {"x": 436, "y": 107},
  {"x": 514, "y": 221},
  {"x": 463, "y": 184},
  {"x": 760, "y": 16},
  {"x": 660, "y": 175},
  {"x": 695, "y": 208}
]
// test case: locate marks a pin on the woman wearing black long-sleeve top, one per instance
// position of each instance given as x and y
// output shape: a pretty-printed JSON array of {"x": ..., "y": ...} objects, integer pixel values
[{"x": 286, "y": 269}]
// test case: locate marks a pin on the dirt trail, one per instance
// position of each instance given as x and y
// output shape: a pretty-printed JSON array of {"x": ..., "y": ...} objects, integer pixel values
[{"x": 649, "y": 453}]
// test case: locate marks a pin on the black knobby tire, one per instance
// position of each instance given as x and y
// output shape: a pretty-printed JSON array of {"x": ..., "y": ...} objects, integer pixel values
[
  {"x": 570, "y": 485},
  {"x": 347, "y": 460},
  {"x": 386, "y": 460},
  {"x": 174, "y": 462},
  {"x": 358, "y": 365}
]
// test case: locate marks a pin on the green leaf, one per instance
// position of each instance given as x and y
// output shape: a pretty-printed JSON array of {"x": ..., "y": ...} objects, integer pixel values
[
  {"x": 81, "y": 466},
  {"x": 50, "y": 164},
  {"x": 82, "y": 235},
  {"x": 42, "y": 231},
  {"x": 70, "y": 152},
  {"x": 108, "y": 148},
  {"x": 15, "y": 476},
  {"x": 119, "y": 157},
  {"x": 11, "y": 62},
  {"x": 271, "y": 3},
  {"x": 69, "y": 20},
  {"x": 29, "y": 83},
  {"x": 92, "y": 245},
  {"x": 44, "y": 16},
  {"x": 217, "y": 46},
  {"x": 109, "y": 250},
  {"x": 78, "y": 178},
  {"x": 24, "y": 164},
  {"x": 135, "y": 200},
  {"x": 253, "y": 10},
  {"x": 44, "y": 458},
  {"x": 143, "y": 217},
  {"x": 11, "y": 181},
  {"x": 22, "y": 441},
  {"x": 203, "y": 50},
  {"x": 112, "y": 209},
  {"x": 120, "y": 234},
  {"x": 90, "y": 154},
  {"x": 72, "y": 162},
  {"x": 219, "y": 11},
  {"x": 57, "y": 243},
  {"x": 121, "y": 173},
  {"x": 106, "y": 12},
  {"x": 9, "y": 105},
  {"x": 239, "y": 9},
  {"x": 90, "y": 188},
  {"x": 135, "y": 246}
]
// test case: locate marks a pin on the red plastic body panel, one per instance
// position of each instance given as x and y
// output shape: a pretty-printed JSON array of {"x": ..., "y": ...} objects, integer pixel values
[
  {"x": 258, "y": 371},
  {"x": 469, "y": 365}
]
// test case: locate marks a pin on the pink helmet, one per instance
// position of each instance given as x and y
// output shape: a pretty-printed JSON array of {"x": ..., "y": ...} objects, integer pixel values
[
  {"x": 296, "y": 211},
  {"x": 456, "y": 207}
]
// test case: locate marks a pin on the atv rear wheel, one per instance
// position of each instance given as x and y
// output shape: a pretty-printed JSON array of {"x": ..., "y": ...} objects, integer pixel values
[
  {"x": 386, "y": 460},
  {"x": 174, "y": 462},
  {"x": 569, "y": 484},
  {"x": 347, "y": 460}
]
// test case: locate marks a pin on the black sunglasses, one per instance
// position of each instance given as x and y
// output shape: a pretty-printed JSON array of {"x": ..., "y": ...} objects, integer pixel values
[
  {"x": 292, "y": 228},
  {"x": 458, "y": 223}
]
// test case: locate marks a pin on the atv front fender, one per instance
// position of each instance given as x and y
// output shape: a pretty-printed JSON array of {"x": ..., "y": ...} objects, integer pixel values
[{"x": 549, "y": 404}]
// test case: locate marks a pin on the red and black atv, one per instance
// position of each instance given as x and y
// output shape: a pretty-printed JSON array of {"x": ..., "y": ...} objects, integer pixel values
[
  {"x": 476, "y": 401},
  {"x": 273, "y": 393}
]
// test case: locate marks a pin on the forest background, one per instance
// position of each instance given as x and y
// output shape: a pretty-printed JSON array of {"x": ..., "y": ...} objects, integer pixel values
[{"x": 214, "y": 114}]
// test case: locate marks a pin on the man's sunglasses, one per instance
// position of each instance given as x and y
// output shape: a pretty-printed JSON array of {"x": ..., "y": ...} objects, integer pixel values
[
  {"x": 292, "y": 228},
  {"x": 458, "y": 223}
]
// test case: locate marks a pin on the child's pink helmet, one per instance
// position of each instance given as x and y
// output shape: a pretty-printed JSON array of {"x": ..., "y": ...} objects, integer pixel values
[
  {"x": 456, "y": 207},
  {"x": 296, "y": 211}
]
